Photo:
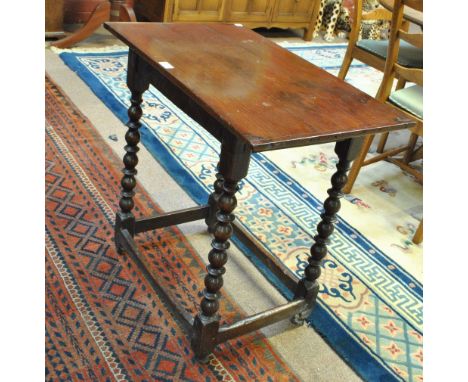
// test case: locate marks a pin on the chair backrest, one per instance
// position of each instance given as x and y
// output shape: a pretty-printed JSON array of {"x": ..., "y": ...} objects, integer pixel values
[
  {"x": 399, "y": 32},
  {"x": 358, "y": 15}
]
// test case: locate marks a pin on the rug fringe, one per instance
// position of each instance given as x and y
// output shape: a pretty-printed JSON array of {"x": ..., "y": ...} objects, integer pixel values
[
  {"x": 118, "y": 48},
  {"x": 305, "y": 44},
  {"x": 111, "y": 48}
]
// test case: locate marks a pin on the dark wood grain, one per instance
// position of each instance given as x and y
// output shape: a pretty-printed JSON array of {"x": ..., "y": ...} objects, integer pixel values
[
  {"x": 171, "y": 218},
  {"x": 262, "y": 93},
  {"x": 308, "y": 287},
  {"x": 259, "y": 320}
]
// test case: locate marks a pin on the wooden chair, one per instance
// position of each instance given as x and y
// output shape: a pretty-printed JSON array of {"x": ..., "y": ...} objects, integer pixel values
[
  {"x": 409, "y": 99},
  {"x": 358, "y": 49},
  {"x": 374, "y": 52}
]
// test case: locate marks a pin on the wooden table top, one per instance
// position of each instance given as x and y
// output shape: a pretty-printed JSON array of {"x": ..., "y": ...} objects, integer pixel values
[
  {"x": 264, "y": 94},
  {"x": 408, "y": 13}
]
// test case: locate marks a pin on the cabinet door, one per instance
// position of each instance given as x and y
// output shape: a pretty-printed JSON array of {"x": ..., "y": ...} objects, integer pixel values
[
  {"x": 198, "y": 10},
  {"x": 54, "y": 16},
  {"x": 249, "y": 10},
  {"x": 294, "y": 10}
]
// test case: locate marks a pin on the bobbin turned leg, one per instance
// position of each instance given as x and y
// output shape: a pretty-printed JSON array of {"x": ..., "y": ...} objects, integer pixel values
[
  {"x": 213, "y": 200},
  {"x": 233, "y": 166},
  {"x": 138, "y": 85},
  {"x": 308, "y": 286}
]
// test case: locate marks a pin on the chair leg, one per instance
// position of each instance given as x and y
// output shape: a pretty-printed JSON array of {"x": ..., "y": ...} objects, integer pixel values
[
  {"x": 357, "y": 164},
  {"x": 410, "y": 150},
  {"x": 418, "y": 236},
  {"x": 384, "y": 137},
  {"x": 348, "y": 58},
  {"x": 382, "y": 142},
  {"x": 417, "y": 154}
]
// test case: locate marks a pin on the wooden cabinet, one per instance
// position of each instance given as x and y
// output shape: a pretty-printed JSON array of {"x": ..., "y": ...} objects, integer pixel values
[
  {"x": 54, "y": 18},
  {"x": 198, "y": 10},
  {"x": 249, "y": 10},
  {"x": 294, "y": 10},
  {"x": 251, "y": 13}
]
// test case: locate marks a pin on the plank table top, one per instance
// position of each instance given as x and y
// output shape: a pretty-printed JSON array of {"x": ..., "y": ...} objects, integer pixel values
[{"x": 267, "y": 96}]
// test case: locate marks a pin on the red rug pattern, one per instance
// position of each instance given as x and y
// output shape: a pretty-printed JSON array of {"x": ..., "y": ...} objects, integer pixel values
[{"x": 104, "y": 322}]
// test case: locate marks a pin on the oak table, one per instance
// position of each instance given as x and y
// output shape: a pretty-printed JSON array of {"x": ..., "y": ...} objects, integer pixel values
[{"x": 251, "y": 95}]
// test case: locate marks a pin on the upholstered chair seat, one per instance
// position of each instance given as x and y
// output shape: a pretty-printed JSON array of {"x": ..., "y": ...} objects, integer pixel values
[
  {"x": 409, "y": 56},
  {"x": 409, "y": 99}
]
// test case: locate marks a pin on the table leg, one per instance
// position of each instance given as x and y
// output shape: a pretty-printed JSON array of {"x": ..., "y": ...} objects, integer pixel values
[
  {"x": 137, "y": 85},
  {"x": 213, "y": 200},
  {"x": 308, "y": 286},
  {"x": 233, "y": 167}
]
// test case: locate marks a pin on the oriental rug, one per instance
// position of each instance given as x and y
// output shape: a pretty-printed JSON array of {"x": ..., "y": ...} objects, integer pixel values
[
  {"x": 104, "y": 322},
  {"x": 370, "y": 302}
]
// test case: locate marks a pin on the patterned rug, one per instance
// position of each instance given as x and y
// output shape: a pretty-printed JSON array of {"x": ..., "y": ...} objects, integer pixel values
[
  {"x": 370, "y": 307},
  {"x": 103, "y": 320}
]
